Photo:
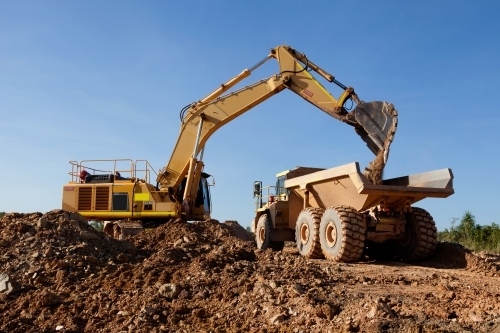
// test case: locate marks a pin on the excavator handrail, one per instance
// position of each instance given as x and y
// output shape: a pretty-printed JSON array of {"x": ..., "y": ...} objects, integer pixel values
[
  {"x": 147, "y": 170},
  {"x": 133, "y": 171}
]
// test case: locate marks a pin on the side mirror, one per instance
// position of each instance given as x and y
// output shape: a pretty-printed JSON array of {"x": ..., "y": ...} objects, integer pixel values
[{"x": 257, "y": 189}]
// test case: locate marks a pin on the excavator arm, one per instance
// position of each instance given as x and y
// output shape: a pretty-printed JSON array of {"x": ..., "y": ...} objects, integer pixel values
[{"x": 375, "y": 122}]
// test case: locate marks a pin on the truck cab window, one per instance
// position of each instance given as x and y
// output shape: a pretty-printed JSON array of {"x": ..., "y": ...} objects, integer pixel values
[{"x": 280, "y": 185}]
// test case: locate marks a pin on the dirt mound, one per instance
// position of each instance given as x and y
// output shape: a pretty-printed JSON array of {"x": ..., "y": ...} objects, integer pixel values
[
  {"x": 60, "y": 274},
  {"x": 453, "y": 255},
  {"x": 447, "y": 256},
  {"x": 238, "y": 231},
  {"x": 202, "y": 233},
  {"x": 47, "y": 258}
]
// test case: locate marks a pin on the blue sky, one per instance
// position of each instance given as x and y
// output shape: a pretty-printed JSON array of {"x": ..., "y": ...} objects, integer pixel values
[{"x": 104, "y": 80}]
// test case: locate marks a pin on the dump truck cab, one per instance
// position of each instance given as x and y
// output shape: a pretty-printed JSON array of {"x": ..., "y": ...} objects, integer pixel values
[{"x": 281, "y": 191}]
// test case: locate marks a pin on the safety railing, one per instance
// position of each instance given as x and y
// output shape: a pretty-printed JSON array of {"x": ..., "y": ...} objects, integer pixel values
[
  {"x": 121, "y": 169},
  {"x": 271, "y": 197},
  {"x": 144, "y": 172}
]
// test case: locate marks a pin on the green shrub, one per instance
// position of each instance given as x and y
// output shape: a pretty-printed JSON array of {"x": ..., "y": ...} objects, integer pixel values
[
  {"x": 97, "y": 225},
  {"x": 249, "y": 230}
]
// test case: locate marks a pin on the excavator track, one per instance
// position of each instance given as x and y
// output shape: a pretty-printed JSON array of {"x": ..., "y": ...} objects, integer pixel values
[{"x": 123, "y": 229}]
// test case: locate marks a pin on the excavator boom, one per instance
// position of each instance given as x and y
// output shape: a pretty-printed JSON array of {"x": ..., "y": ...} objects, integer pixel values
[{"x": 375, "y": 122}]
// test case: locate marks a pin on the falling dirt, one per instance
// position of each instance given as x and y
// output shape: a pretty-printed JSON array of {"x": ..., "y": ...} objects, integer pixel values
[
  {"x": 375, "y": 170},
  {"x": 59, "y": 274}
]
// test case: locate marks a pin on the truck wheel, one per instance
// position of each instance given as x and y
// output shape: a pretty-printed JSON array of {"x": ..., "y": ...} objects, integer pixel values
[
  {"x": 307, "y": 232},
  {"x": 263, "y": 235},
  {"x": 342, "y": 234},
  {"x": 420, "y": 237}
]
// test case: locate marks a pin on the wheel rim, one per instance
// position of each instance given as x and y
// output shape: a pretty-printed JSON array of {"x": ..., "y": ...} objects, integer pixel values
[
  {"x": 405, "y": 240},
  {"x": 331, "y": 234},
  {"x": 304, "y": 233},
  {"x": 262, "y": 234}
]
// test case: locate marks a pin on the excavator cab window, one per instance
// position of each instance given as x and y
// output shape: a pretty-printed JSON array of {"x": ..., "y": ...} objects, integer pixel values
[
  {"x": 203, "y": 196},
  {"x": 206, "y": 195},
  {"x": 199, "y": 195},
  {"x": 180, "y": 192}
]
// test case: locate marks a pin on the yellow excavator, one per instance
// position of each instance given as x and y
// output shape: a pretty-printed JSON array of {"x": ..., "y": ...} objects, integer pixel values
[{"x": 121, "y": 191}]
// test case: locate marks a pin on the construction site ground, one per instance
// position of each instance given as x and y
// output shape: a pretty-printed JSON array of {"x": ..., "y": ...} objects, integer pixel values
[{"x": 58, "y": 274}]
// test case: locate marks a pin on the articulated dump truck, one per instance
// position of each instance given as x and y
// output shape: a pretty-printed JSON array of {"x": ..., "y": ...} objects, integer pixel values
[{"x": 335, "y": 212}]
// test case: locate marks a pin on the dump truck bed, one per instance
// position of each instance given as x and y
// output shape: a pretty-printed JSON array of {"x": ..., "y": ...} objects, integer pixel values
[{"x": 346, "y": 185}]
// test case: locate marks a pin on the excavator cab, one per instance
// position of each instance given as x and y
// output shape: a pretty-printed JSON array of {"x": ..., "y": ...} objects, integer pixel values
[{"x": 202, "y": 206}]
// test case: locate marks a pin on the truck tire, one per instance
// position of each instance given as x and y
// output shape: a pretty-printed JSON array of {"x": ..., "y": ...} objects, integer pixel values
[
  {"x": 263, "y": 235},
  {"x": 420, "y": 238},
  {"x": 307, "y": 232},
  {"x": 342, "y": 234}
]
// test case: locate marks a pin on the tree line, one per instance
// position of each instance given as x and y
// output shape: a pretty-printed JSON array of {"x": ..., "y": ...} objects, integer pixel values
[{"x": 472, "y": 235}]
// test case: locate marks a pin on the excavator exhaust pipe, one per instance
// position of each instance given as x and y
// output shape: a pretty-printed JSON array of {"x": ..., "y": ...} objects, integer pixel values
[{"x": 378, "y": 123}]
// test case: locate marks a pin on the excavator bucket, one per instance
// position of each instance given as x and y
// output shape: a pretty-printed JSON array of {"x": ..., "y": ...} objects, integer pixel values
[{"x": 378, "y": 121}]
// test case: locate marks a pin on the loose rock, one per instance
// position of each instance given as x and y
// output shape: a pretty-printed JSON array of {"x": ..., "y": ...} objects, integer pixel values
[
  {"x": 277, "y": 319},
  {"x": 7, "y": 284},
  {"x": 169, "y": 291}
]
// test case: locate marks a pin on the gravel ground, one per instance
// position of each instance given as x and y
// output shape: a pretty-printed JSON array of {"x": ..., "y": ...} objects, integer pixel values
[{"x": 57, "y": 274}]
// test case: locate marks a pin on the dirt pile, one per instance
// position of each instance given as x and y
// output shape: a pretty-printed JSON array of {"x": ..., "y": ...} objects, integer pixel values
[
  {"x": 48, "y": 258},
  {"x": 208, "y": 277},
  {"x": 453, "y": 255}
]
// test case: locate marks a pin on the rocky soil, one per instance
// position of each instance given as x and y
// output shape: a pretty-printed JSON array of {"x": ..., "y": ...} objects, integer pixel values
[{"x": 57, "y": 274}]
